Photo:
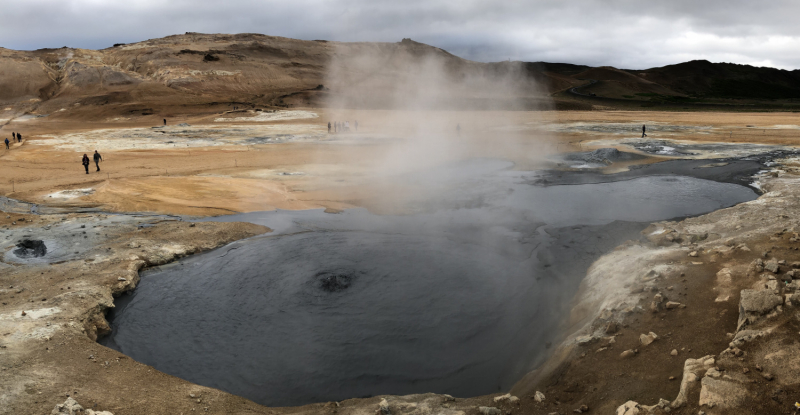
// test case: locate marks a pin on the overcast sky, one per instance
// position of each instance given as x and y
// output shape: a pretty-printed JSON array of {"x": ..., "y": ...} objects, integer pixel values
[{"x": 622, "y": 33}]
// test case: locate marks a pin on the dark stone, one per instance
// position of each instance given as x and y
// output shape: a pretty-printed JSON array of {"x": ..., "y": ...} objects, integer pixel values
[
  {"x": 334, "y": 281},
  {"x": 30, "y": 248},
  {"x": 210, "y": 58}
]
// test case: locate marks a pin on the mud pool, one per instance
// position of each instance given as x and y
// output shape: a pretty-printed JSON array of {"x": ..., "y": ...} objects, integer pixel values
[{"x": 462, "y": 297}]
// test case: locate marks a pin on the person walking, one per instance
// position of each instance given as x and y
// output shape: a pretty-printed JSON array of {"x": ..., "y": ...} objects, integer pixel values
[
  {"x": 19, "y": 137},
  {"x": 6, "y": 143},
  {"x": 329, "y": 127},
  {"x": 97, "y": 159},
  {"x": 643, "y": 131},
  {"x": 85, "y": 163},
  {"x": 165, "y": 121}
]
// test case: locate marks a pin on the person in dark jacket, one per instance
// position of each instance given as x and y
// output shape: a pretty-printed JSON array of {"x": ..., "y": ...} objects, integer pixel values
[
  {"x": 643, "y": 131},
  {"x": 97, "y": 159},
  {"x": 6, "y": 143},
  {"x": 85, "y": 163}
]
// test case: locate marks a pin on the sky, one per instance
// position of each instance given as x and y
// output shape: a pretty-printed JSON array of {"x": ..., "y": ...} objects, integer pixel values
[{"x": 621, "y": 33}]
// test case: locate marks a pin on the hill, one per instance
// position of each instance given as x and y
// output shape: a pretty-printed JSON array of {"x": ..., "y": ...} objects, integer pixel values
[{"x": 211, "y": 72}]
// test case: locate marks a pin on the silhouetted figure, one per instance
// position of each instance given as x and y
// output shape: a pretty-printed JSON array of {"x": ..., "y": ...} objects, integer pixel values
[
  {"x": 97, "y": 159},
  {"x": 7, "y": 143},
  {"x": 19, "y": 137},
  {"x": 329, "y": 127},
  {"x": 165, "y": 121},
  {"x": 643, "y": 131},
  {"x": 85, "y": 163}
]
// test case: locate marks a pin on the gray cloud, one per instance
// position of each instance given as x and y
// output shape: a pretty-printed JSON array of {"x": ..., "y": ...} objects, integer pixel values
[{"x": 622, "y": 33}]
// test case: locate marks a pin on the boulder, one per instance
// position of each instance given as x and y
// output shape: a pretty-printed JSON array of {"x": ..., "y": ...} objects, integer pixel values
[
  {"x": 722, "y": 393},
  {"x": 772, "y": 266},
  {"x": 754, "y": 304},
  {"x": 693, "y": 369},
  {"x": 538, "y": 397}
]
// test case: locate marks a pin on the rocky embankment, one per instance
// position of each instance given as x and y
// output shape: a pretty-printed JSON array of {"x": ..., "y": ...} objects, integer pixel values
[{"x": 700, "y": 317}]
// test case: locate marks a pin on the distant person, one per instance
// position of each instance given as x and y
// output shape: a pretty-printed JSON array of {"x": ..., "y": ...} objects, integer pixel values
[
  {"x": 643, "y": 131},
  {"x": 97, "y": 159},
  {"x": 13, "y": 136},
  {"x": 165, "y": 121},
  {"x": 7, "y": 143},
  {"x": 329, "y": 127},
  {"x": 85, "y": 163},
  {"x": 356, "y": 124},
  {"x": 19, "y": 137}
]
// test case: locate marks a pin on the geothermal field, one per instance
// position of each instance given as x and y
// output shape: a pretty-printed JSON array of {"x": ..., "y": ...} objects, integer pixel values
[{"x": 384, "y": 228}]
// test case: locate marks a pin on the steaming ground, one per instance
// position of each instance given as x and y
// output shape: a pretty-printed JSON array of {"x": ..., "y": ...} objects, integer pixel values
[{"x": 330, "y": 173}]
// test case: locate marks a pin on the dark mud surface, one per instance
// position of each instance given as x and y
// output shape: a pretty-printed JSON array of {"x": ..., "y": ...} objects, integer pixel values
[{"x": 462, "y": 297}]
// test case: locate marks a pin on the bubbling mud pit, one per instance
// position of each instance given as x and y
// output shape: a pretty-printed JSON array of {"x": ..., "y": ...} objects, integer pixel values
[{"x": 463, "y": 297}]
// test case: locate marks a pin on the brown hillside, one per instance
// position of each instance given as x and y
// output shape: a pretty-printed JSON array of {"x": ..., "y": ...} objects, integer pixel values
[{"x": 175, "y": 73}]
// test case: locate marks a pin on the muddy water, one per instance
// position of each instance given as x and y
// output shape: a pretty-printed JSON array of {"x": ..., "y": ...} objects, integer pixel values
[{"x": 461, "y": 297}]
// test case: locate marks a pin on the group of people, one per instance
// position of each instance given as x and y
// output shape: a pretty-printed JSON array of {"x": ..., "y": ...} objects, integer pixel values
[
  {"x": 14, "y": 136},
  {"x": 97, "y": 159},
  {"x": 341, "y": 126}
]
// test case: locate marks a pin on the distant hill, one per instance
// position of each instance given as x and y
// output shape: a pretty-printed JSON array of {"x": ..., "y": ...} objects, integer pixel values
[{"x": 194, "y": 71}]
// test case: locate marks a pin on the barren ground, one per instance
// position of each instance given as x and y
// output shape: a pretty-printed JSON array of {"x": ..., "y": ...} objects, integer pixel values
[{"x": 49, "y": 352}]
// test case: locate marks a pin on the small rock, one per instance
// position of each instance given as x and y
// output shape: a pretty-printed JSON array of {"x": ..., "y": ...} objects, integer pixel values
[
  {"x": 693, "y": 254},
  {"x": 23, "y": 313},
  {"x": 674, "y": 352},
  {"x": 383, "y": 408},
  {"x": 121, "y": 279},
  {"x": 671, "y": 305},
  {"x": 538, "y": 397},
  {"x": 767, "y": 376},
  {"x": 627, "y": 353},
  {"x": 506, "y": 397},
  {"x": 646, "y": 339},
  {"x": 629, "y": 408},
  {"x": 489, "y": 410},
  {"x": 672, "y": 378}
]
